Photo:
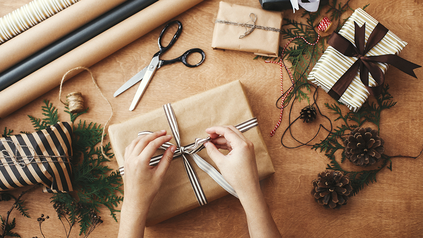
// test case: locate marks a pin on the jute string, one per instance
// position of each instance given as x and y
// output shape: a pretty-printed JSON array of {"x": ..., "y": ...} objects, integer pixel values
[
  {"x": 75, "y": 101},
  {"x": 253, "y": 26}
]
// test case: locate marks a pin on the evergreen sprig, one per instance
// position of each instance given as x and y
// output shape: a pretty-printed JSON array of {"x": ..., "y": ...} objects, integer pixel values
[
  {"x": 95, "y": 183},
  {"x": 369, "y": 112},
  {"x": 51, "y": 117},
  {"x": 302, "y": 55},
  {"x": 7, "y": 132},
  {"x": 7, "y": 228},
  {"x": 73, "y": 116}
]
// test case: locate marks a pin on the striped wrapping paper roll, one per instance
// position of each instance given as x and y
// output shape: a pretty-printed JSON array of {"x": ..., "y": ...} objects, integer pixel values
[
  {"x": 333, "y": 64},
  {"x": 29, "y": 15},
  {"x": 42, "y": 157}
]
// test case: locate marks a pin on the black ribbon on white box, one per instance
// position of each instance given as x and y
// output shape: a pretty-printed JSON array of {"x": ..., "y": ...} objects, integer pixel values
[{"x": 191, "y": 150}]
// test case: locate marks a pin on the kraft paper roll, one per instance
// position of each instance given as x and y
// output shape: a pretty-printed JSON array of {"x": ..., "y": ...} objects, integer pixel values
[
  {"x": 30, "y": 15},
  {"x": 72, "y": 40},
  {"x": 91, "y": 52},
  {"x": 52, "y": 29}
]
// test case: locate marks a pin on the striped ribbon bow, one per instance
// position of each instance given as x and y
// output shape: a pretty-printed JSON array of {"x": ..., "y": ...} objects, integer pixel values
[{"x": 191, "y": 150}]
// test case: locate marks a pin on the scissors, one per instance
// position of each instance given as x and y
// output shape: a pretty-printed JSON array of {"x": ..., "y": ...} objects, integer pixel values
[{"x": 147, "y": 73}]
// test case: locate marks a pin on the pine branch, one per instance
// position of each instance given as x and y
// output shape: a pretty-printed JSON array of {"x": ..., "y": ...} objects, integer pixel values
[
  {"x": 50, "y": 113},
  {"x": 372, "y": 111},
  {"x": 18, "y": 204},
  {"x": 95, "y": 183},
  {"x": 8, "y": 227},
  {"x": 74, "y": 116},
  {"x": 21, "y": 208},
  {"x": 50, "y": 117},
  {"x": 7, "y": 132},
  {"x": 38, "y": 123}
]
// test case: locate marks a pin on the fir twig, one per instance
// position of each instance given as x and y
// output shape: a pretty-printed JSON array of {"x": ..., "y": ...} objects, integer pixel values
[
  {"x": 18, "y": 204},
  {"x": 7, "y": 132},
  {"x": 73, "y": 116},
  {"x": 50, "y": 117},
  {"x": 95, "y": 183},
  {"x": 370, "y": 112}
]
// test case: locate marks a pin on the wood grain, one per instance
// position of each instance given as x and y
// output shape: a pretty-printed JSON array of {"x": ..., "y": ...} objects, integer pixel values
[{"x": 392, "y": 207}]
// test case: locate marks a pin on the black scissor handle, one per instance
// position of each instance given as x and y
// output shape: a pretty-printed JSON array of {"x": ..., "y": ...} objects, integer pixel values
[
  {"x": 185, "y": 55},
  {"x": 184, "y": 58},
  {"x": 174, "y": 38}
]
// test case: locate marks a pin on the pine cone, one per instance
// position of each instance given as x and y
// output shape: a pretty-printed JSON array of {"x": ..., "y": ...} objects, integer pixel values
[
  {"x": 364, "y": 147},
  {"x": 331, "y": 189},
  {"x": 308, "y": 114}
]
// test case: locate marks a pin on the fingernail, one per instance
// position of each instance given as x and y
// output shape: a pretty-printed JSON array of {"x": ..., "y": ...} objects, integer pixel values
[
  {"x": 173, "y": 148},
  {"x": 162, "y": 131}
]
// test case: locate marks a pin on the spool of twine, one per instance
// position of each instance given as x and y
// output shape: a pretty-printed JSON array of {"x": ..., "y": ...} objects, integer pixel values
[{"x": 75, "y": 101}]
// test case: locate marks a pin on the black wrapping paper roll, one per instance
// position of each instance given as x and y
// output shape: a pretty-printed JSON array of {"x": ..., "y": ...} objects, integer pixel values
[{"x": 71, "y": 41}]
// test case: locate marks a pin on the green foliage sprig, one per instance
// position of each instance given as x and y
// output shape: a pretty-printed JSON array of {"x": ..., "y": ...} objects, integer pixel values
[
  {"x": 302, "y": 55},
  {"x": 336, "y": 9},
  {"x": 6, "y": 226},
  {"x": 94, "y": 183},
  {"x": 369, "y": 112},
  {"x": 50, "y": 114},
  {"x": 7, "y": 132}
]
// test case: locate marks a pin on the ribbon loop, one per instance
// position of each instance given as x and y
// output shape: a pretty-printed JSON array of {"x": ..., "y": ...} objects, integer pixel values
[{"x": 365, "y": 63}]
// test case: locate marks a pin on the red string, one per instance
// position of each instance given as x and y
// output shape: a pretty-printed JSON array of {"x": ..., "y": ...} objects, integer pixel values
[{"x": 282, "y": 65}]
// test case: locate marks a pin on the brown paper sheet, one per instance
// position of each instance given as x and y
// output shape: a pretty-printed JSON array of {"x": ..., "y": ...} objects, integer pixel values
[
  {"x": 52, "y": 29},
  {"x": 194, "y": 115},
  {"x": 260, "y": 42},
  {"x": 91, "y": 52}
]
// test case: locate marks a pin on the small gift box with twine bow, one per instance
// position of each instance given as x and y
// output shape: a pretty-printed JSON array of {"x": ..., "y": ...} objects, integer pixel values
[
  {"x": 42, "y": 157},
  {"x": 348, "y": 71},
  {"x": 247, "y": 29}
]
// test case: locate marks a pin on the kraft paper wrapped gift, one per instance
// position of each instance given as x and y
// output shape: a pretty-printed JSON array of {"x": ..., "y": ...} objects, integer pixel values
[
  {"x": 42, "y": 157},
  {"x": 224, "y": 105},
  {"x": 262, "y": 40},
  {"x": 375, "y": 58}
]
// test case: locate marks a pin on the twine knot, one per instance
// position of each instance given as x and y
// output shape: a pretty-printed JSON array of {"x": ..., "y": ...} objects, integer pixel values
[{"x": 253, "y": 18}]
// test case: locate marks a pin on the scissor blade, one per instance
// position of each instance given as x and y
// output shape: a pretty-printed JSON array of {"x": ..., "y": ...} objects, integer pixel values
[
  {"x": 151, "y": 68},
  {"x": 131, "y": 82}
]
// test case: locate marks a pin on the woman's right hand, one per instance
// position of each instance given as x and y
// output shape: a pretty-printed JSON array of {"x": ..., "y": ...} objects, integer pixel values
[{"x": 239, "y": 166}]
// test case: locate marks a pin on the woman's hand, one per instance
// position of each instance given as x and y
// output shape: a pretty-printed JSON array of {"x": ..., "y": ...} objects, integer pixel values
[
  {"x": 142, "y": 181},
  {"x": 238, "y": 167}
]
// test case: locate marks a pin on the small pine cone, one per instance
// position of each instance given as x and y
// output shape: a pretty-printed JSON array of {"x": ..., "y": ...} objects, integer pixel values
[
  {"x": 308, "y": 114},
  {"x": 364, "y": 147},
  {"x": 331, "y": 189}
]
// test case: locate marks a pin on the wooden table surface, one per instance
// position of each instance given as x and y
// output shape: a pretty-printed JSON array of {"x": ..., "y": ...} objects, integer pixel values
[{"x": 392, "y": 207}]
